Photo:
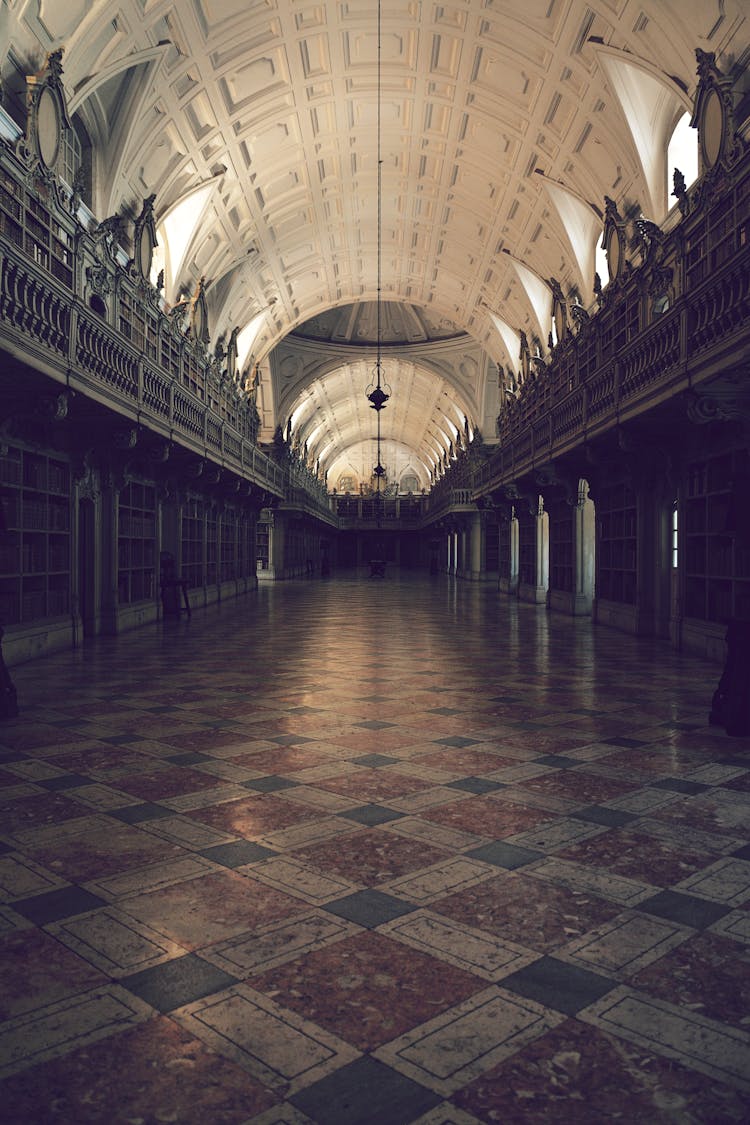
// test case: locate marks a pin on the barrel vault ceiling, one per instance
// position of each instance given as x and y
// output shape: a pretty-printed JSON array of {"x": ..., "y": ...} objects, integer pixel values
[{"x": 504, "y": 123}]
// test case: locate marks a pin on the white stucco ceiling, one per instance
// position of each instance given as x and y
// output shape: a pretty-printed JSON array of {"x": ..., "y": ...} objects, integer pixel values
[{"x": 504, "y": 125}]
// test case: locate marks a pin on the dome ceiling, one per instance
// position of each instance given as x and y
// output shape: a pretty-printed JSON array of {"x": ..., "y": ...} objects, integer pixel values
[
  {"x": 400, "y": 323},
  {"x": 504, "y": 125}
]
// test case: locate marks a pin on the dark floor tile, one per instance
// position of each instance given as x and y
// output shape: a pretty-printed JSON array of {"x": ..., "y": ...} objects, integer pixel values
[
  {"x": 600, "y": 814},
  {"x": 676, "y": 785},
  {"x": 365, "y": 1092},
  {"x": 238, "y": 853},
  {"x": 558, "y": 760},
  {"x": 444, "y": 711},
  {"x": 136, "y": 814},
  {"x": 66, "y": 781},
  {"x": 475, "y": 785},
  {"x": 123, "y": 739},
  {"x": 742, "y": 853},
  {"x": 685, "y": 910},
  {"x": 374, "y": 724},
  {"x": 456, "y": 741},
  {"x": 509, "y": 856},
  {"x": 620, "y": 740},
  {"x": 374, "y": 761},
  {"x": 223, "y": 724},
  {"x": 174, "y": 983},
  {"x": 288, "y": 739},
  {"x": 371, "y": 815},
  {"x": 553, "y": 983},
  {"x": 369, "y": 908},
  {"x": 269, "y": 784},
  {"x": 191, "y": 758},
  {"x": 53, "y": 906}
]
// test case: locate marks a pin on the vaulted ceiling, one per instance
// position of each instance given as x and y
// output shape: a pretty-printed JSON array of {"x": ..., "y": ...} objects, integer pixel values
[{"x": 504, "y": 123}]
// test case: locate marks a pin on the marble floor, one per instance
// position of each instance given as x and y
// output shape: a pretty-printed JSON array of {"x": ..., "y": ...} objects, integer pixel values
[{"x": 368, "y": 852}]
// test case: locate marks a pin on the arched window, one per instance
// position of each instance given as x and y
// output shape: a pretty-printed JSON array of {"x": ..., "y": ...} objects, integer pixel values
[{"x": 682, "y": 151}]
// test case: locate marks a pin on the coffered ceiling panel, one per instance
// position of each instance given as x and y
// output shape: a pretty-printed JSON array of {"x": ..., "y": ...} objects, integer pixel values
[{"x": 276, "y": 102}]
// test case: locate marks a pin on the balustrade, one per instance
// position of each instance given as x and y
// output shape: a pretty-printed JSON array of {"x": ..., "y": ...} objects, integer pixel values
[
  {"x": 617, "y": 360},
  {"x": 67, "y": 290}
]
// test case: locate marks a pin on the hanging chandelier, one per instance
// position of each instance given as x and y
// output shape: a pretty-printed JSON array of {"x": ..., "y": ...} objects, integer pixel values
[{"x": 378, "y": 391}]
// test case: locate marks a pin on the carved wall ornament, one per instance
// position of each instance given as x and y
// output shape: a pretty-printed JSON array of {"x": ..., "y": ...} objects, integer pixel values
[
  {"x": 613, "y": 240},
  {"x": 116, "y": 477},
  {"x": 47, "y": 113},
  {"x": 719, "y": 404},
  {"x": 660, "y": 282},
  {"x": 125, "y": 438},
  {"x": 552, "y": 476},
  {"x": 648, "y": 238},
  {"x": 54, "y": 407},
  {"x": 679, "y": 191},
  {"x": 517, "y": 494},
  {"x": 159, "y": 450},
  {"x": 199, "y": 314},
  {"x": 78, "y": 187},
  {"x": 713, "y": 117},
  {"x": 87, "y": 481},
  {"x": 110, "y": 233},
  {"x": 559, "y": 310},
  {"x": 144, "y": 240},
  {"x": 100, "y": 280},
  {"x": 525, "y": 357},
  {"x": 579, "y": 315},
  {"x": 232, "y": 353}
]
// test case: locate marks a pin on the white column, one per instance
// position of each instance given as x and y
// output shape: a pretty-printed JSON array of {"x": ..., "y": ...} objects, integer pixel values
[
  {"x": 584, "y": 532},
  {"x": 477, "y": 555},
  {"x": 542, "y": 553},
  {"x": 514, "y": 555}
]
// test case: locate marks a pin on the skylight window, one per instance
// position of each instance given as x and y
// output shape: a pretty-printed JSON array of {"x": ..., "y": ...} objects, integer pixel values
[
  {"x": 174, "y": 235},
  {"x": 246, "y": 338},
  {"x": 683, "y": 151}
]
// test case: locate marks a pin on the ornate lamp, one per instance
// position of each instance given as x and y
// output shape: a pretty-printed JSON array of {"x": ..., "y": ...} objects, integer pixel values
[{"x": 378, "y": 391}]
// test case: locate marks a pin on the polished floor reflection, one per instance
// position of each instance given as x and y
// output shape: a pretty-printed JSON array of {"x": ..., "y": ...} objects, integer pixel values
[{"x": 367, "y": 852}]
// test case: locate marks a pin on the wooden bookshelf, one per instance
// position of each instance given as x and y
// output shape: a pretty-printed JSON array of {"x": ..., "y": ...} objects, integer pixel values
[
  {"x": 503, "y": 562},
  {"x": 138, "y": 325},
  {"x": 211, "y": 545},
  {"x": 228, "y": 545},
  {"x": 35, "y": 565},
  {"x": 617, "y": 548},
  {"x": 491, "y": 555},
  {"x": 193, "y": 534},
  {"x": 262, "y": 545},
  {"x": 136, "y": 543},
  {"x": 27, "y": 222},
  {"x": 526, "y": 549},
  {"x": 561, "y": 547},
  {"x": 716, "y": 565}
]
